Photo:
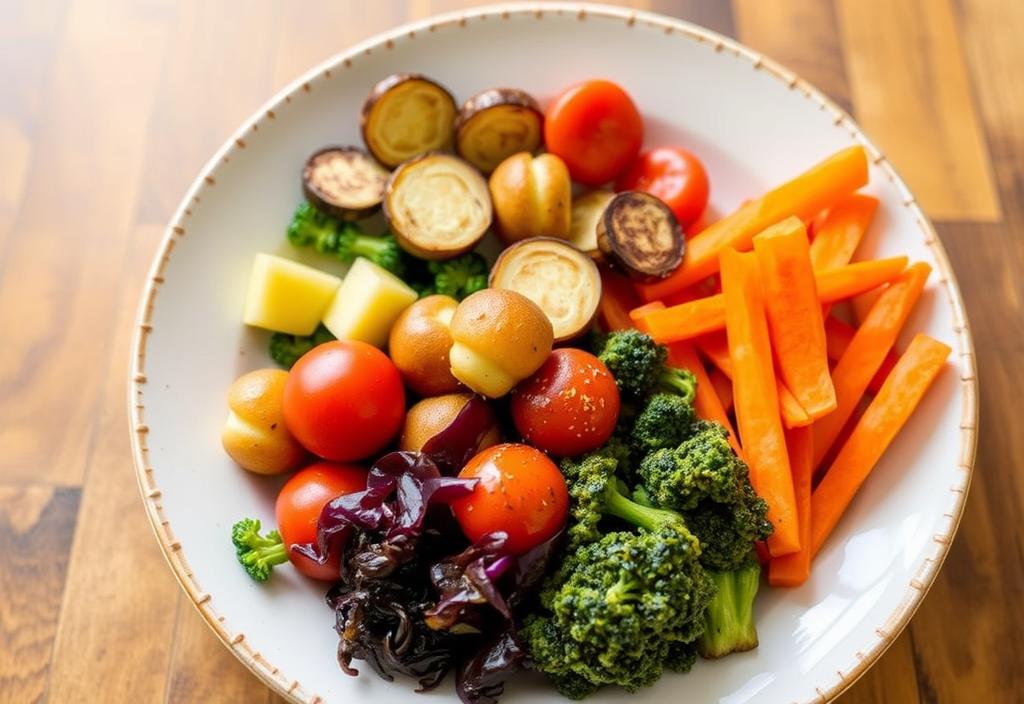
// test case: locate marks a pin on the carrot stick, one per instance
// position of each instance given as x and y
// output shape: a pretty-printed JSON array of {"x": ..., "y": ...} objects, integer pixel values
[
  {"x": 838, "y": 335},
  {"x": 867, "y": 350},
  {"x": 756, "y": 398},
  {"x": 723, "y": 387},
  {"x": 704, "y": 315},
  {"x": 896, "y": 401},
  {"x": 836, "y": 239},
  {"x": 617, "y": 299},
  {"x": 716, "y": 350},
  {"x": 861, "y": 304},
  {"x": 794, "y": 569},
  {"x": 706, "y": 402},
  {"x": 804, "y": 196},
  {"x": 794, "y": 315}
]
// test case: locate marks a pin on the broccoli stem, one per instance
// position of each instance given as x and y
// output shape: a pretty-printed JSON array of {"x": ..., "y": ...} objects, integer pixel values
[
  {"x": 730, "y": 616},
  {"x": 357, "y": 244},
  {"x": 256, "y": 553},
  {"x": 679, "y": 381},
  {"x": 645, "y": 517}
]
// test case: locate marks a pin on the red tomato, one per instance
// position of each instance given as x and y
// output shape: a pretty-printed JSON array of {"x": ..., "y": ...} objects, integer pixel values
[
  {"x": 569, "y": 406},
  {"x": 521, "y": 492},
  {"x": 344, "y": 400},
  {"x": 674, "y": 175},
  {"x": 596, "y": 130},
  {"x": 299, "y": 505}
]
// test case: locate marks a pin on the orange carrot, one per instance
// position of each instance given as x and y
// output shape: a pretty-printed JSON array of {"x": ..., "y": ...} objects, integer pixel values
[
  {"x": 617, "y": 299},
  {"x": 723, "y": 387},
  {"x": 861, "y": 304},
  {"x": 875, "y": 430},
  {"x": 863, "y": 357},
  {"x": 704, "y": 315},
  {"x": 804, "y": 196},
  {"x": 716, "y": 350},
  {"x": 756, "y": 398},
  {"x": 794, "y": 315},
  {"x": 706, "y": 402},
  {"x": 793, "y": 570},
  {"x": 838, "y": 335},
  {"x": 842, "y": 229}
]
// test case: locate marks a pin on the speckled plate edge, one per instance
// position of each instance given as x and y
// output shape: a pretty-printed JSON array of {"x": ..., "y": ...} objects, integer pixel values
[{"x": 207, "y": 179}]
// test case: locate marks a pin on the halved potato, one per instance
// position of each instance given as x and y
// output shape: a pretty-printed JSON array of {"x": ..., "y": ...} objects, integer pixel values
[
  {"x": 344, "y": 181},
  {"x": 407, "y": 115},
  {"x": 495, "y": 124},
  {"x": 438, "y": 206},
  {"x": 586, "y": 213},
  {"x": 641, "y": 234},
  {"x": 532, "y": 197},
  {"x": 560, "y": 279}
]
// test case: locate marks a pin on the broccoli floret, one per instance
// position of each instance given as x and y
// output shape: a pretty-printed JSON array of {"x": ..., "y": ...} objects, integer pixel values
[
  {"x": 709, "y": 485},
  {"x": 286, "y": 349},
  {"x": 635, "y": 360},
  {"x": 621, "y": 606},
  {"x": 664, "y": 422},
  {"x": 328, "y": 235},
  {"x": 311, "y": 228},
  {"x": 458, "y": 277},
  {"x": 682, "y": 656},
  {"x": 257, "y": 554},
  {"x": 729, "y": 620}
]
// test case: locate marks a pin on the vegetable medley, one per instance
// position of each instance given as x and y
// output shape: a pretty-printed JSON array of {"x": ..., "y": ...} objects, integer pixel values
[{"x": 533, "y": 462}]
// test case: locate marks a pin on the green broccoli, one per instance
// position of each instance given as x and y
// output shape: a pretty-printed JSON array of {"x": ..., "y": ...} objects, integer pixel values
[
  {"x": 638, "y": 364},
  {"x": 682, "y": 656},
  {"x": 257, "y": 554},
  {"x": 458, "y": 277},
  {"x": 328, "y": 235},
  {"x": 286, "y": 349},
  {"x": 664, "y": 422},
  {"x": 729, "y": 620},
  {"x": 621, "y": 606}
]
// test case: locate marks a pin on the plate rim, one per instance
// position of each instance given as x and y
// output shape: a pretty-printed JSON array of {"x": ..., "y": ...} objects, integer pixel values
[{"x": 292, "y": 689}]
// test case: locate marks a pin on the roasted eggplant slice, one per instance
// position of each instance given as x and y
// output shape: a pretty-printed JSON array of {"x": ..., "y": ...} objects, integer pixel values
[
  {"x": 437, "y": 206},
  {"x": 405, "y": 116},
  {"x": 586, "y": 213},
  {"x": 641, "y": 234},
  {"x": 495, "y": 124},
  {"x": 556, "y": 276},
  {"x": 344, "y": 181}
]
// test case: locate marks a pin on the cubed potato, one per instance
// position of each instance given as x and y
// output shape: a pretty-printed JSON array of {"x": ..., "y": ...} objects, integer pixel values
[
  {"x": 286, "y": 296},
  {"x": 368, "y": 304}
]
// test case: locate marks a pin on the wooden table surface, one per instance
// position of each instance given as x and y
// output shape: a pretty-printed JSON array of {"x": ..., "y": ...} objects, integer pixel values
[{"x": 107, "y": 111}]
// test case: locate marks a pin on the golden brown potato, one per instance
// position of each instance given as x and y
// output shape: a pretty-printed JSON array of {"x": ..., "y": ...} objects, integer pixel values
[
  {"x": 430, "y": 416},
  {"x": 532, "y": 197},
  {"x": 495, "y": 124},
  {"x": 419, "y": 344},
  {"x": 254, "y": 434},
  {"x": 405, "y": 116}
]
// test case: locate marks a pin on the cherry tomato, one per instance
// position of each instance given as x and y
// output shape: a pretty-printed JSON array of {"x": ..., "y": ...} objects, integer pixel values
[
  {"x": 299, "y": 505},
  {"x": 596, "y": 130},
  {"x": 521, "y": 492},
  {"x": 672, "y": 174},
  {"x": 344, "y": 400},
  {"x": 569, "y": 406}
]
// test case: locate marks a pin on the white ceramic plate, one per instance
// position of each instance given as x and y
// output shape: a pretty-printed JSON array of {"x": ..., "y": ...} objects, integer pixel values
[{"x": 753, "y": 124}]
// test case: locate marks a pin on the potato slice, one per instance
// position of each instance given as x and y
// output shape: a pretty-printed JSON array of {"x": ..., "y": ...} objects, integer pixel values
[
  {"x": 367, "y": 304},
  {"x": 586, "y": 213},
  {"x": 641, "y": 234},
  {"x": 495, "y": 124},
  {"x": 405, "y": 116},
  {"x": 344, "y": 181},
  {"x": 437, "y": 206},
  {"x": 560, "y": 279},
  {"x": 285, "y": 296}
]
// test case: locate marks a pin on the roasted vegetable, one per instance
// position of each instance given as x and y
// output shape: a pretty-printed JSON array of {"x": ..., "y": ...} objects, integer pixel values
[
  {"x": 664, "y": 422},
  {"x": 557, "y": 277},
  {"x": 587, "y": 211},
  {"x": 437, "y": 206},
  {"x": 328, "y": 235},
  {"x": 432, "y": 416},
  {"x": 344, "y": 181},
  {"x": 459, "y": 277},
  {"x": 532, "y": 197},
  {"x": 418, "y": 344},
  {"x": 256, "y": 553},
  {"x": 254, "y": 434},
  {"x": 405, "y": 116},
  {"x": 638, "y": 364},
  {"x": 495, "y": 124},
  {"x": 286, "y": 349},
  {"x": 641, "y": 235}
]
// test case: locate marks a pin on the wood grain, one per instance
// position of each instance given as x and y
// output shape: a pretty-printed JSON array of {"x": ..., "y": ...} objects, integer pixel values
[
  {"x": 910, "y": 89},
  {"x": 36, "y": 525}
]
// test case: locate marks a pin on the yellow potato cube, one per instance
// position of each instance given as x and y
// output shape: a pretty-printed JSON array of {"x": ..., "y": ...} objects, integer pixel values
[
  {"x": 367, "y": 304},
  {"x": 285, "y": 296}
]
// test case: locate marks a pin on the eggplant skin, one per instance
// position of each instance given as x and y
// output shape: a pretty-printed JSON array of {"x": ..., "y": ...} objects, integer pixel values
[
  {"x": 348, "y": 194},
  {"x": 641, "y": 235},
  {"x": 495, "y": 124},
  {"x": 432, "y": 131}
]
